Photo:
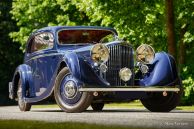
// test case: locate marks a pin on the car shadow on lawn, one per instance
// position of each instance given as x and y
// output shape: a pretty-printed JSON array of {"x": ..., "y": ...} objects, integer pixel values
[
  {"x": 34, "y": 110},
  {"x": 113, "y": 111},
  {"x": 118, "y": 110},
  {"x": 91, "y": 111}
]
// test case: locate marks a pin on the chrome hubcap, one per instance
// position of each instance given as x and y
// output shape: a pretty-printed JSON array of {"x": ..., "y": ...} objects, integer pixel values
[{"x": 70, "y": 89}]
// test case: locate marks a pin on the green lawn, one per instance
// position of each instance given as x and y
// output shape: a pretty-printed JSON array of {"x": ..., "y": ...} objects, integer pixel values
[
  {"x": 138, "y": 105},
  {"x": 134, "y": 104},
  {"x": 130, "y": 105},
  {"x": 21, "y": 124}
]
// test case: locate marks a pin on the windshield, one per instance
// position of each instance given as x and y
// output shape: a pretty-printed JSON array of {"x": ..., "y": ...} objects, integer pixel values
[{"x": 84, "y": 36}]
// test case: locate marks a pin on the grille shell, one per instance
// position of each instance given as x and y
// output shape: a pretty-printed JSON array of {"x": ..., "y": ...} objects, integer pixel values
[{"x": 121, "y": 55}]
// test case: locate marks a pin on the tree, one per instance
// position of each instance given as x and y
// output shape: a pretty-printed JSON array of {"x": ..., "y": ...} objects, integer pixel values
[
  {"x": 10, "y": 55},
  {"x": 170, "y": 27},
  {"x": 184, "y": 19},
  {"x": 34, "y": 14},
  {"x": 138, "y": 21}
]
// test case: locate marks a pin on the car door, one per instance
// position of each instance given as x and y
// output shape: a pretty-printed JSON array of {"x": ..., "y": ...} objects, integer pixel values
[{"x": 42, "y": 58}]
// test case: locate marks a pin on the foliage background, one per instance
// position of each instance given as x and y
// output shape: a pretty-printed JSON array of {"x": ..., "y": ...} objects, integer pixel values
[
  {"x": 10, "y": 54},
  {"x": 138, "y": 21}
]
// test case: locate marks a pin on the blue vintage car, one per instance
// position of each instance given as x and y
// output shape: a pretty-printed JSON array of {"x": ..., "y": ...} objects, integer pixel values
[{"x": 90, "y": 65}]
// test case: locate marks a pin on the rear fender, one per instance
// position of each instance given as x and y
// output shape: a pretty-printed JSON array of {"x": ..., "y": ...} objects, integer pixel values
[
  {"x": 24, "y": 73},
  {"x": 162, "y": 71}
]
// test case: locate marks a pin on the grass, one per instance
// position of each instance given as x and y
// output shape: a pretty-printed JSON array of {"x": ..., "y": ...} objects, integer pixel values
[
  {"x": 185, "y": 108},
  {"x": 131, "y": 105},
  {"x": 137, "y": 105},
  {"x": 23, "y": 124},
  {"x": 134, "y": 104}
]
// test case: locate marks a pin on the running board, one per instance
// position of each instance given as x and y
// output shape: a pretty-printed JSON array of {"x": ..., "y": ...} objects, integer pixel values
[{"x": 148, "y": 89}]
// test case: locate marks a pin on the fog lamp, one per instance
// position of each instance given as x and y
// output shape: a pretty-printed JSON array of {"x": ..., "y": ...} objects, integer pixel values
[
  {"x": 125, "y": 74},
  {"x": 103, "y": 68},
  {"x": 144, "y": 68}
]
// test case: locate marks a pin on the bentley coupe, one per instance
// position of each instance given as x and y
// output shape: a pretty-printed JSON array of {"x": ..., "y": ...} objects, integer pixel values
[{"x": 82, "y": 66}]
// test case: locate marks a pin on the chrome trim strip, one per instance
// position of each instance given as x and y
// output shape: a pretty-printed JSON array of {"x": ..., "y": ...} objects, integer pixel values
[
  {"x": 43, "y": 55},
  {"x": 149, "y": 89}
]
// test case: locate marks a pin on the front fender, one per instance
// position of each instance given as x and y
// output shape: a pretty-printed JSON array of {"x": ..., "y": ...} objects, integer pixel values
[
  {"x": 72, "y": 61},
  {"x": 163, "y": 71},
  {"x": 82, "y": 70},
  {"x": 24, "y": 73}
]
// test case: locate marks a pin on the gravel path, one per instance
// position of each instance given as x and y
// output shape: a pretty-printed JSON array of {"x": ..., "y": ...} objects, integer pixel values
[{"x": 125, "y": 117}]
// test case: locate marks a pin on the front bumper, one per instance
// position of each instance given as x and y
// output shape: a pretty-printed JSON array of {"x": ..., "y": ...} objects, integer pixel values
[{"x": 133, "y": 88}]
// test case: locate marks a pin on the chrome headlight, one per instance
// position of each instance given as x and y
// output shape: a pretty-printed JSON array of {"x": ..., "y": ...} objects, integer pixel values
[
  {"x": 125, "y": 74},
  {"x": 145, "y": 54},
  {"x": 100, "y": 53}
]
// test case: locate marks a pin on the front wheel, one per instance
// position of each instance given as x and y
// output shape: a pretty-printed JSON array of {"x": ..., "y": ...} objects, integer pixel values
[
  {"x": 67, "y": 93},
  {"x": 23, "y": 106},
  {"x": 157, "y": 102}
]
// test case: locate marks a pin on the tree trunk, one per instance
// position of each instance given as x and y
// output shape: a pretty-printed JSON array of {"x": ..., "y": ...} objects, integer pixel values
[
  {"x": 170, "y": 28},
  {"x": 181, "y": 59}
]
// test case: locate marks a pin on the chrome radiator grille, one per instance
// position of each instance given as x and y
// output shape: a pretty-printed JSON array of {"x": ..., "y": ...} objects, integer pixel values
[{"x": 120, "y": 56}]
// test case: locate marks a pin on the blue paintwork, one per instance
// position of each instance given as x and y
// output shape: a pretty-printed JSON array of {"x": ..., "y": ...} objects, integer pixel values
[
  {"x": 24, "y": 73},
  {"x": 40, "y": 68},
  {"x": 163, "y": 71}
]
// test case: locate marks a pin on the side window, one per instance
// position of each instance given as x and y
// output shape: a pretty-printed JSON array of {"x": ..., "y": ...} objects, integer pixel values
[{"x": 42, "y": 41}]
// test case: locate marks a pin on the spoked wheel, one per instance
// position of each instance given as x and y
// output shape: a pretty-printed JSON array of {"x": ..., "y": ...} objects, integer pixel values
[
  {"x": 157, "y": 102},
  {"x": 23, "y": 106},
  {"x": 67, "y": 93},
  {"x": 97, "y": 106}
]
